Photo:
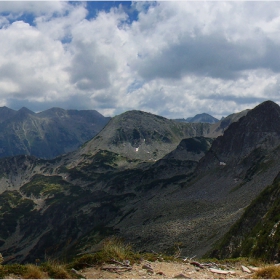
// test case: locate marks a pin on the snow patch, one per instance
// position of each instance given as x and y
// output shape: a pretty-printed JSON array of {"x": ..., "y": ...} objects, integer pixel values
[{"x": 272, "y": 233}]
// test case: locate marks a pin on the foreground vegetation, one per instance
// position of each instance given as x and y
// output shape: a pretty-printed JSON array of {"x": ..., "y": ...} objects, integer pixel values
[
  {"x": 112, "y": 249},
  {"x": 116, "y": 251}
]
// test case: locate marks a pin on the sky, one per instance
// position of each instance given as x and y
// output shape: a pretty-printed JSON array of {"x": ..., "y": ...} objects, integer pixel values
[{"x": 174, "y": 59}]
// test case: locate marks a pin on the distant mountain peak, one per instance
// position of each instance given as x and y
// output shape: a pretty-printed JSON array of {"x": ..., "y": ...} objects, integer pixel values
[
  {"x": 199, "y": 118},
  {"x": 25, "y": 110},
  {"x": 203, "y": 118}
]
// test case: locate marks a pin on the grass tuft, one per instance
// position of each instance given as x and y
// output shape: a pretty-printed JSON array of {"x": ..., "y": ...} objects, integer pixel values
[
  {"x": 113, "y": 248},
  {"x": 268, "y": 272},
  {"x": 56, "y": 270},
  {"x": 14, "y": 269},
  {"x": 33, "y": 272}
]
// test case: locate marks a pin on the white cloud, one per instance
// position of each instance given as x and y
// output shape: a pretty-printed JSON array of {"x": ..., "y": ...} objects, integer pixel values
[
  {"x": 31, "y": 63},
  {"x": 177, "y": 59},
  {"x": 33, "y": 7}
]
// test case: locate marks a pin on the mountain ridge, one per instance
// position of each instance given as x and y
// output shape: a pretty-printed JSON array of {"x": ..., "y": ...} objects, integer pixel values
[
  {"x": 199, "y": 118},
  {"x": 46, "y": 134}
]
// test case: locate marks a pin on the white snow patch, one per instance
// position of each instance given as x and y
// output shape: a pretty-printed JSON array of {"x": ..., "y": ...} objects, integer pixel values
[{"x": 272, "y": 233}]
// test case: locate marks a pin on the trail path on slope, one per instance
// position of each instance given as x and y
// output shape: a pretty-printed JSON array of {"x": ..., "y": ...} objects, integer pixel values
[{"x": 163, "y": 270}]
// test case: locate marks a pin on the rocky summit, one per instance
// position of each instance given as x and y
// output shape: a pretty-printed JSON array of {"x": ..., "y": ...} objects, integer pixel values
[
  {"x": 150, "y": 180},
  {"x": 142, "y": 136}
]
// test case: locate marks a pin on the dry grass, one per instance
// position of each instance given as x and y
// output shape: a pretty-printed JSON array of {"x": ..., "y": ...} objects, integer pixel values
[
  {"x": 268, "y": 272},
  {"x": 50, "y": 269},
  {"x": 114, "y": 248},
  {"x": 33, "y": 272},
  {"x": 56, "y": 270}
]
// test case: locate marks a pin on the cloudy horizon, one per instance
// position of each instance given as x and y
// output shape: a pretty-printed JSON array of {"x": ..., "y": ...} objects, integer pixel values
[{"x": 174, "y": 59}]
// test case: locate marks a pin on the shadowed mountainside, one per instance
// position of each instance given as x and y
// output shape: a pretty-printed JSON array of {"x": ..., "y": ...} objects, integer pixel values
[{"x": 256, "y": 234}]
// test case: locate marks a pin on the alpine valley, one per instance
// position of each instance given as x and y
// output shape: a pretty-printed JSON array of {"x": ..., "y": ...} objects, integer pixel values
[{"x": 210, "y": 187}]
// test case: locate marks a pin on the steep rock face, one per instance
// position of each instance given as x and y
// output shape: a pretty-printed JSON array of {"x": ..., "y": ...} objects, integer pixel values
[
  {"x": 219, "y": 128},
  {"x": 258, "y": 131}
]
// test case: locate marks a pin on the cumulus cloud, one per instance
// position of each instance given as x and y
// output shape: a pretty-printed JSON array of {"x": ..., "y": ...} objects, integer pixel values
[
  {"x": 175, "y": 59},
  {"x": 38, "y": 8}
]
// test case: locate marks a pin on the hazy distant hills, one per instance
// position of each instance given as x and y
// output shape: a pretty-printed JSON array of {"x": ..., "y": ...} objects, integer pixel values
[
  {"x": 46, "y": 134},
  {"x": 199, "y": 118}
]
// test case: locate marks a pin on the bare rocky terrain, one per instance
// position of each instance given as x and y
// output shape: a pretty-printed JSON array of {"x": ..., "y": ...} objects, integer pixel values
[{"x": 169, "y": 270}]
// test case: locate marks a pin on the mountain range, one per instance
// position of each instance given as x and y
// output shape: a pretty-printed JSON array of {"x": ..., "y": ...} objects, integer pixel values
[
  {"x": 153, "y": 181},
  {"x": 46, "y": 134}
]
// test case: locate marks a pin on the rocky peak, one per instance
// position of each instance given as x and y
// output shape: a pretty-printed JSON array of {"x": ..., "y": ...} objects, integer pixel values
[
  {"x": 259, "y": 129},
  {"x": 140, "y": 135},
  {"x": 6, "y": 113},
  {"x": 265, "y": 117},
  {"x": 53, "y": 112},
  {"x": 25, "y": 111},
  {"x": 203, "y": 118}
]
